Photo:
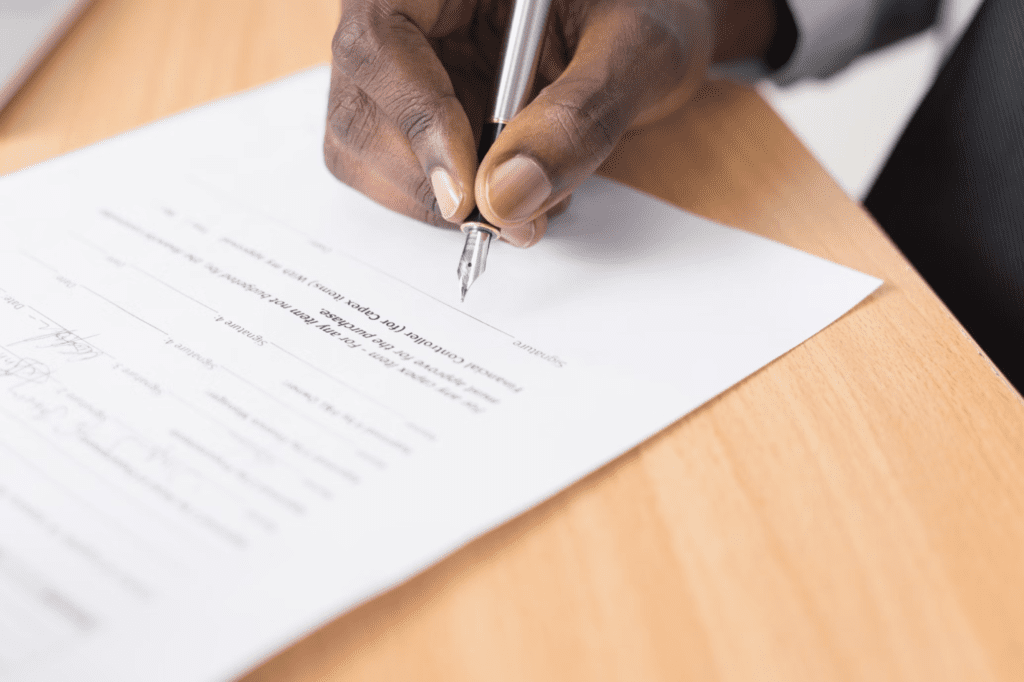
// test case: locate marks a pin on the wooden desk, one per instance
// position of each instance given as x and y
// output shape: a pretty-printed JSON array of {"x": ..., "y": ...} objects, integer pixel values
[{"x": 851, "y": 512}]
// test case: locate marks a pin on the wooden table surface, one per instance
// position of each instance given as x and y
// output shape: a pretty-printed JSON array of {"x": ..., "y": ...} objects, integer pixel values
[{"x": 854, "y": 511}]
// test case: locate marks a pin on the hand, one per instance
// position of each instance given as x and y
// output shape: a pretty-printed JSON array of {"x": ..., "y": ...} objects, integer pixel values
[{"x": 412, "y": 81}]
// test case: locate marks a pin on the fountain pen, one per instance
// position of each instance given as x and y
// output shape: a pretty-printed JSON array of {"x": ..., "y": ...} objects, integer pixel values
[{"x": 515, "y": 79}]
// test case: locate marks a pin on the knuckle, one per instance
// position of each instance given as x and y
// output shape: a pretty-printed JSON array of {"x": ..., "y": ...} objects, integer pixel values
[
  {"x": 593, "y": 128},
  {"x": 419, "y": 114},
  {"x": 661, "y": 40},
  {"x": 353, "y": 118},
  {"x": 661, "y": 21},
  {"x": 356, "y": 47},
  {"x": 415, "y": 121}
]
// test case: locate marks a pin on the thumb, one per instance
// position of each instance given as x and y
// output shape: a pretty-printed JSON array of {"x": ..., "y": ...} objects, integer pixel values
[{"x": 635, "y": 59}]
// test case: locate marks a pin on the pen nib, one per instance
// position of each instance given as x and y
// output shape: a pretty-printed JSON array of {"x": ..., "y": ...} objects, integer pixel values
[{"x": 474, "y": 256}]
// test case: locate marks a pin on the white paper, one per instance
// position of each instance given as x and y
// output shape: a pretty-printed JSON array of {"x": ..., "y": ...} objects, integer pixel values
[{"x": 238, "y": 398}]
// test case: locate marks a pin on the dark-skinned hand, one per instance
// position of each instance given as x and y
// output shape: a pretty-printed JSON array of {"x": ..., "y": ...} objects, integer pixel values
[{"x": 412, "y": 81}]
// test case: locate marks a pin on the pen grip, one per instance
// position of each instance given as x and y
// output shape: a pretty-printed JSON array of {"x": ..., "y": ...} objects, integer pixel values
[{"x": 488, "y": 137}]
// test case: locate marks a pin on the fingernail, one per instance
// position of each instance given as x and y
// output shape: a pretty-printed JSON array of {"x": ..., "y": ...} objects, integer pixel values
[
  {"x": 517, "y": 189},
  {"x": 447, "y": 193},
  {"x": 521, "y": 235}
]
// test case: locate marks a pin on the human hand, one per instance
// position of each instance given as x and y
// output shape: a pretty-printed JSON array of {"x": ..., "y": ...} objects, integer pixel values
[{"x": 412, "y": 80}]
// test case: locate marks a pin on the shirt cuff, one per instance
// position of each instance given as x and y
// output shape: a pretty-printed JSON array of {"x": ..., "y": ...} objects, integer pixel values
[{"x": 830, "y": 34}]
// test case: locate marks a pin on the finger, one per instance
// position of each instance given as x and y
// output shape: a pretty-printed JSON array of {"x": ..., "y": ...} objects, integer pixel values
[
  {"x": 390, "y": 183},
  {"x": 631, "y": 58},
  {"x": 365, "y": 151},
  {"x": 527, "y": 235},
  {"x": 387, "y": 56},
  {"x": 361, "y": 146},
  {"x": 560, "y": 208},
  {"x": 530, "y": 234},
  {"x": 375, "y": 182}
]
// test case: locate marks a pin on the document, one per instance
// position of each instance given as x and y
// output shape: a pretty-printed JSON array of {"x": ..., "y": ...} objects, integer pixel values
[{"x": 238, "y": 398}]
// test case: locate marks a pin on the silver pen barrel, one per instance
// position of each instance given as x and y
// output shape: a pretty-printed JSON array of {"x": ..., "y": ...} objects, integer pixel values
[{"x": 519, "y": 59}]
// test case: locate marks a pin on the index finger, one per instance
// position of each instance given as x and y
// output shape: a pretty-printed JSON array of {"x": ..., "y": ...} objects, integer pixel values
[{"x": 382, "y": 52}]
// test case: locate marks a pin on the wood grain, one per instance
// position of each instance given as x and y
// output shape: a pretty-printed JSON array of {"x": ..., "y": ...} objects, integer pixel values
[{"x": 851, "y": 512}]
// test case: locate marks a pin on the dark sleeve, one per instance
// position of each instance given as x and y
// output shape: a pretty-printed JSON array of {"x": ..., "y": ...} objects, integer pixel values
[
  {"x": 899, "y": 19},
  {"x": 829, "y": 34}
]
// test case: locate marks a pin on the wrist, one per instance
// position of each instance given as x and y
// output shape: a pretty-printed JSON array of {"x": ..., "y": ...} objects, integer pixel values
[{"x": 754, "y": 29}]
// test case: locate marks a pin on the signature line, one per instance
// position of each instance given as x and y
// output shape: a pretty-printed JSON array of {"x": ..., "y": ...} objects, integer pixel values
[{"x": 128, "y": 312}]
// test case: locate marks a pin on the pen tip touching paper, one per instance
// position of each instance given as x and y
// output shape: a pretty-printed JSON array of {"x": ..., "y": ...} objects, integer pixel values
[{"x": 474, "y": 256}]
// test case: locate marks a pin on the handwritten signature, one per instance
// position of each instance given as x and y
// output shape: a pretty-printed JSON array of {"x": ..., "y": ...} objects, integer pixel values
[
  {"x": 26, "y": 369},
  {"x": 64, "y": 342}
]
